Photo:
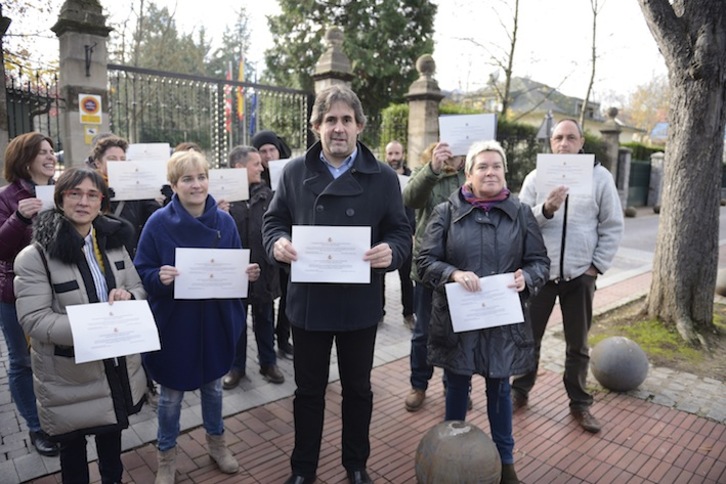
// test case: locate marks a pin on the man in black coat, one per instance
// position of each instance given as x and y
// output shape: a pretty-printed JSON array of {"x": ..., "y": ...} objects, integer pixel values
[{"x": 338, "y": 182}]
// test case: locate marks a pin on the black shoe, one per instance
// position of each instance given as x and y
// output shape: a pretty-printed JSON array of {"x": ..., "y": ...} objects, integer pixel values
[
  {"x": 359, "y": 477},
  {"x": 273, "y": 374},
  {"x": 295, "y": 479},
  {"x": 285, "y": 350},
  {"x": 43, "y": 445}
]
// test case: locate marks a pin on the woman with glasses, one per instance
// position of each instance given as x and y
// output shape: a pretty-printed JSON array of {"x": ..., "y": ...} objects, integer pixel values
[
  {"x": 29, "y": 163},
  {"x": 77, "y": 256}
]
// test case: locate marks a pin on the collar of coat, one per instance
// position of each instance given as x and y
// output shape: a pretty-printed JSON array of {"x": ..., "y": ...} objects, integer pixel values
[
  {"x": 461, "y": 208},
  {"x": 57, "y": 235},
  {"x": 319, "y": 178}
]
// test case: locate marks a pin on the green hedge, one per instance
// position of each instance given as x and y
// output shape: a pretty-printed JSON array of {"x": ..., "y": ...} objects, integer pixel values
[{"x": 640, "y": 151}]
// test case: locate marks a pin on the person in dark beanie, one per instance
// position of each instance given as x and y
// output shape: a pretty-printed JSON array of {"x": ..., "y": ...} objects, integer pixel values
[{"x": 271, "y": 147}]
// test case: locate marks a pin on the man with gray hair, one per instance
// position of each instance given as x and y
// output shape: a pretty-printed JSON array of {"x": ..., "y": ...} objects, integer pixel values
[
  {"x": 247, "y": 216},
  {"x": 337, "y": 182}
]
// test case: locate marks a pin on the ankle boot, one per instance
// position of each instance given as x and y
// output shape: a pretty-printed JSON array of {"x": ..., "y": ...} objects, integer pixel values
[
  {"x": 220, "y": 454},
  {"x": 166, "y": 468},
  {"x": 509, "y": 476}
]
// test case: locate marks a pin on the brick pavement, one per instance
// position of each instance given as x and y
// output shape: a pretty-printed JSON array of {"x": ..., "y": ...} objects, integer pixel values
[{"x": 671, "y": 429}]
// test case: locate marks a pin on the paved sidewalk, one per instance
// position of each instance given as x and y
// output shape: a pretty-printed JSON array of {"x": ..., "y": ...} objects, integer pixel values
[{"x": 671, "y": 429}]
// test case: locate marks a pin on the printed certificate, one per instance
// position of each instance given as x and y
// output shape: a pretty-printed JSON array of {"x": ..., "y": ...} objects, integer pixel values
[
  {"x": 229, "y": 184},
  {"x": 45, "y": 194},
  {"x": 495, "y": 305},
  {"x": 460, "y": 131},
  {"x": 572, "y": 171},
  {"x": 103, "y": 330},
  {"x": 331, "y": 254},
  {"x": 136, "y": 180},
  {"x": 276, "y": 167},
  {"x": 211, "y": 273}
]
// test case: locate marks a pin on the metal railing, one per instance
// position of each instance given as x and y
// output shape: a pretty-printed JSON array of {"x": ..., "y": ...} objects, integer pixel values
[{"x": 146, "y": 105}]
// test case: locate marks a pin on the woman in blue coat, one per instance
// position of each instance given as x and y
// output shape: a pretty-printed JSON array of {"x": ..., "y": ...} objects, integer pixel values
[
  {"x": 197, "y": 336},
  {"x": 480, "y": 231}
]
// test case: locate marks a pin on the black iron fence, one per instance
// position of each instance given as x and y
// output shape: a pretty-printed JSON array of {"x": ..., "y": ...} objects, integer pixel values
[
  {"x": 33, "y": 105},
  {"x": 155, "y": 106}
]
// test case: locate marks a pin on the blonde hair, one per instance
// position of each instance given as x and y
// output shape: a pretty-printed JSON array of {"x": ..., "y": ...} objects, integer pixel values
[
  {"x": 182, "y": 161},
  {"x": 481, "y": 147}
]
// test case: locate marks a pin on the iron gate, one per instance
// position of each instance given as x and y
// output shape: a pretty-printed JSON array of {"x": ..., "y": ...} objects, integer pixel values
[{"x": 154, "y": 106}]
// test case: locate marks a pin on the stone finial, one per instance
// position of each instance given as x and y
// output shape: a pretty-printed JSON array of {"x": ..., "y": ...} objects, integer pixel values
[
  {"x": 425, "y": 86},
  {"x": 426, "y": 66},
  {"x": 334, "y": 62},
  {"x": 611, "y": 124},
  {"x": 84, "y": 16}
]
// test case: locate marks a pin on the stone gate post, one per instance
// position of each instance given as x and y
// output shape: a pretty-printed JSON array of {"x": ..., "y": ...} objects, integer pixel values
[{"x": 423, "y": 97}]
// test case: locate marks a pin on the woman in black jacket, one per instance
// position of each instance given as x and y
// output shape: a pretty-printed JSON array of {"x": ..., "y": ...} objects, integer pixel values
[{"x": 480, "y": 231}]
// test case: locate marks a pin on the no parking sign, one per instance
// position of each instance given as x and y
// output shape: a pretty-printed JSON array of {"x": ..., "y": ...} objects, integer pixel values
[{"x": 89, "y": 107}]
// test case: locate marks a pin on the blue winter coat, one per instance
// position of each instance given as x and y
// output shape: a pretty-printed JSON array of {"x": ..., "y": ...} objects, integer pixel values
[
  {"x": 368, "y": 194},
  {"x": 198, "y": 337}
]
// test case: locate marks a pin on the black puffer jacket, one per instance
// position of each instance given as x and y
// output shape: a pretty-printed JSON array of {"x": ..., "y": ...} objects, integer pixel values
[
  {"x": 460, "y": 236},
  {"x": 247, "y": 216}
]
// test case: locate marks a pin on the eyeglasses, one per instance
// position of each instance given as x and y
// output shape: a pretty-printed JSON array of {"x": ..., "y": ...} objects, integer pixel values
[{"x": 76, "y": 195}]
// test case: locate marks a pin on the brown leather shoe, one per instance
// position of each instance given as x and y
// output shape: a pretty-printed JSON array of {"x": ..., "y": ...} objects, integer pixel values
[
  {"x": 586, "y": 420},
  {"x": 518, "y": 401},
  {"x": 231, "y": 379},
  {"x": 272, "y": 374},
  {"x": 415, "y": 399}
]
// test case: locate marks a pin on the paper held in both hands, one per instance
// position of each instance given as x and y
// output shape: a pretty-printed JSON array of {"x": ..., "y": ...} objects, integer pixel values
[
  {"x": 331, "y": 254},
  {"x": 211, "y": 273},
  {"x": 495, "y": 305},
  {"x": 103, "y": 330}
]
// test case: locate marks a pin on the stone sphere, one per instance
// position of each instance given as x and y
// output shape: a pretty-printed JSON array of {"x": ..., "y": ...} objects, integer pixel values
[
  {"x": 721, "y": 282},
  {"x": 619, "y": 364},
  {"x": 457, "y": 452}
]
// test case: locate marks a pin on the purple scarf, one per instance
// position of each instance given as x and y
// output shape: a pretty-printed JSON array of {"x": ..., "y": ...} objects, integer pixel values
[{"x": 485, "y": 204}]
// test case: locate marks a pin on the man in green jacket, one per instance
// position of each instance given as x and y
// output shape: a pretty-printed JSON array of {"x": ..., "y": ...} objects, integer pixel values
[{"x": 429, "y": 185}]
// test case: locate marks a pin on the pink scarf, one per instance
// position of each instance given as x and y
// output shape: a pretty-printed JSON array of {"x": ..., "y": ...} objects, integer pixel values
[{"x": 485, "y": 204}]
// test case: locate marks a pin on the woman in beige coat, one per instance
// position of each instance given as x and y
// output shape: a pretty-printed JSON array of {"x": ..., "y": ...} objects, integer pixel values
[{"x": 77, "y": 257}]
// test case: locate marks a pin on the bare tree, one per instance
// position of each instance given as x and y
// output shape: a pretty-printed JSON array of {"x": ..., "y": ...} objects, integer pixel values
[
  {"x": 596, "y": 6},
  {"x": 504, "y": 60},
  {"x": 691, "y": 35}
]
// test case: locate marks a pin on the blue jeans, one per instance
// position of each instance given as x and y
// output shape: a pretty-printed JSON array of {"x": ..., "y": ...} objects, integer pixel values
[
  {"x": 499, "y": 409},
  {"x": 20, "y": 374},
  {"x": 169, "y": 413},
  {"x": 421, "y": 370}
]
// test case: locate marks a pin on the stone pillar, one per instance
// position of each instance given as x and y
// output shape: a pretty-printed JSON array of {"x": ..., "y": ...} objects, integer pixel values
[
  {"x": 334, "y": 66},
  {"x": 611, "y": 136},
  {"x": 623, "y": 181},
  {"x": 655, "y": 187},
  {"x": 82, "y": 32},
  {"x": 423, "y": 97},
  {"x": 4, "y": 24}
]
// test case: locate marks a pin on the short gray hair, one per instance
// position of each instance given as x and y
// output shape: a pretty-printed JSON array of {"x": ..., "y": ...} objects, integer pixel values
[
  {"x": 239, "y": 154},
  {"x": 481, "y": 147}
]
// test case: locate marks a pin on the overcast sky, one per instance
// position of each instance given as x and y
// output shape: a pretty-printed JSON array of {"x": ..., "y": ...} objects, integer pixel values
[{"x": 554, "y": 41}]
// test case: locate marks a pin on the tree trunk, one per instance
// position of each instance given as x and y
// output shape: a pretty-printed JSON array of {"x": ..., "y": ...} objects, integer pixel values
[
  {"x": 692, "y": 37},
  {"x": 593, "y": 60}
]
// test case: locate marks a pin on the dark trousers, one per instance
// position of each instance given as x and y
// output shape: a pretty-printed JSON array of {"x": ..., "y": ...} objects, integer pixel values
[
  {"x": 282, "y": 330},
  {"x": 576, "y": 304},
  {"x": 74, "y": 461},
  {"x": 421, "y": 369},
  {"x": 404, "y": 275},
  {"x": 312, "y": 362}
]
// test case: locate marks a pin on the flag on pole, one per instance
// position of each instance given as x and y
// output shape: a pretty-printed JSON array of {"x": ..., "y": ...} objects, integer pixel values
[
  {"x": 240, "y": 89},
  {"x": 228, "y": 100}
]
